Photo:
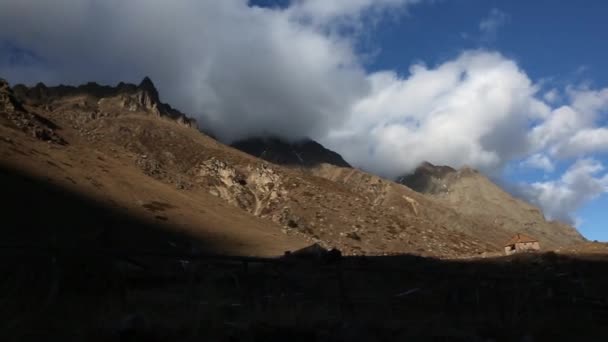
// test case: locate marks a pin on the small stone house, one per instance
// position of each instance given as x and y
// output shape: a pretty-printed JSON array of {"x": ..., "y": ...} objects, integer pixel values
[{"x": 521, "y": 243}]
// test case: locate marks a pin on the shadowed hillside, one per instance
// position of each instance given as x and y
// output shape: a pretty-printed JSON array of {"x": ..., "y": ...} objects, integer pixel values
[{"x": 47, "y": 215}]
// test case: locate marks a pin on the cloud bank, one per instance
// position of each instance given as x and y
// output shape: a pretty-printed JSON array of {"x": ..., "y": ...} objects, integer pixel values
[
  {"x": 578, "y": 185},
  {"x": 294, "y": 72},
  {"x": 473, "y": 110}
]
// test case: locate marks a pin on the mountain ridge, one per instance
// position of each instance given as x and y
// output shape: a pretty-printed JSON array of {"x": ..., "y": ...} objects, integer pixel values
[
  {"x": 127, "y": 96},
  {"x": 121, "y": 146}
]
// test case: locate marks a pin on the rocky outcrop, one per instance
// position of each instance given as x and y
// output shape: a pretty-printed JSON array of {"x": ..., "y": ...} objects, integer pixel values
[
  {"x": 427, "y": 178},
  {"x": 257, "y": 189},
  {"x": 13, "y": 110},
  {"x": 103, "y": 100},
  {"x": 8, "y": 102},
  {"x": 144, "y": 98},
  {"x": 306, "y": 153}
]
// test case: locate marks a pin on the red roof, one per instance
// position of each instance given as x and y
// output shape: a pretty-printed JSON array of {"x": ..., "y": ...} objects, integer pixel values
[{"x": 520, "y": 238}]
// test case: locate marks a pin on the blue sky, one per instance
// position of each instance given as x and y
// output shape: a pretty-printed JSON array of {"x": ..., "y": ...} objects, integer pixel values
[
  {"x": 516, "y": 89},
  {"x": 549, "y": 39}
]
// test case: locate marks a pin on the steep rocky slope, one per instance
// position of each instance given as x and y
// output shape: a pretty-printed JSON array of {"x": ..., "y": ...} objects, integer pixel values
[
  {"x": 474, "y": 195},
  {"x": 122, "y": 146},
  {"x": 101, "y": 160}
]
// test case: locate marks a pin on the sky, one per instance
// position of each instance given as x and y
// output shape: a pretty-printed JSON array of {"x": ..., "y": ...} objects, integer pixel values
[{"x": 516, "y": 89}]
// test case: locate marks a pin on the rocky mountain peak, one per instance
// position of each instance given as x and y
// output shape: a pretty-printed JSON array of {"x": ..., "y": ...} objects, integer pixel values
[
  {"x": 427, "y": 178},
  {"x": 472, "y": 193},
  {"x": 3, "y": 84},
  {"x": 148, "y": 87},
  {"x": 306, "y": 153},
  {"x": 435, "y": 170},
  {"x": 92, "y": 99},
  {"x": 8, "y": 101}
]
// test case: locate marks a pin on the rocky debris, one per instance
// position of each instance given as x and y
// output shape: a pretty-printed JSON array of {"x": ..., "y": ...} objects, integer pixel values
[
  {"x": 257, "y": 189},
  {"x": 225, "y": 182},
  {"x": 306, "y": 153},
  {"x": 8, "y": 102},
  {"x": 413, "y": 204},
  {"x": 157, "y": 169},
  {"x": 38, "y": 126},
  {"x": 268, "y": 186},
  {"x": 151, "y": 167}
]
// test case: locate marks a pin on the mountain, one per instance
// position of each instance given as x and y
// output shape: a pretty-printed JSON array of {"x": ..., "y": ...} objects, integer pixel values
[
  {"x": 474, "y": 195},
  {"x": 110, "y": 170},
  {"x": 306, "y": 153},
  {"x": 86, "y": 160}
]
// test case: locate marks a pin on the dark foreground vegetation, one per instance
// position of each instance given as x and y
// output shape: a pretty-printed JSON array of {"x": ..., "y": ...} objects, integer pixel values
[
  {"x": 74, "y": 270},
  {"x": 83, "y": 296}
]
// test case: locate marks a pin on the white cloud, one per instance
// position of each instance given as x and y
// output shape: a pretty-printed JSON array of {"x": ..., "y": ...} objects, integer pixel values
[
  {"x": 575, "y": 130},
  {"x": 582, "y": 182},
  {"x": 324, "y": 11},
  {"x": 488, "y": 27},
  {"x": 473, "y": 110},
  {"x": 552, "y": 96},
  {"x": 241, "y": 70},
  {"x": 539, "y": 161},
  {"x": 562, "y": 123},
  {"x": 584, "y": 142}
]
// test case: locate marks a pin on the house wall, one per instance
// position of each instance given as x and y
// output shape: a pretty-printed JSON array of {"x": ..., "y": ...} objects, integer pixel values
[
  {"x": 510, "y": 250},
  {"x": 522, "y": 247},
  {"x": 527, "y": 246}
]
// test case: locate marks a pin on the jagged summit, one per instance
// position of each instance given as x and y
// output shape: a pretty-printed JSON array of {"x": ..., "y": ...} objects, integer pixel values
[
  {"x": 102, "y": 99},
  {"x": 427, "y": 178},
  {"x": 276, "y": 150},
  {"x": 8, "y": 101},
  {"x": 148, "y": 86},
  {"x": 146, "y": 82}
]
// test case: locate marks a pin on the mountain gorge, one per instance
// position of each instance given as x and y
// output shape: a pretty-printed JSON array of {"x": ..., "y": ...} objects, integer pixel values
[{"x": 123, "y": 147}]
